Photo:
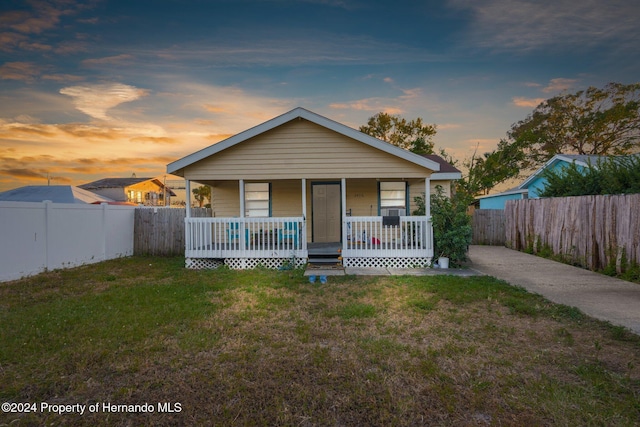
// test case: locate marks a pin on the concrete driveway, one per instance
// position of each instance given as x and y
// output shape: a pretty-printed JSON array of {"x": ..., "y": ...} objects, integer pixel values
[{"x": 596, "y": 295}]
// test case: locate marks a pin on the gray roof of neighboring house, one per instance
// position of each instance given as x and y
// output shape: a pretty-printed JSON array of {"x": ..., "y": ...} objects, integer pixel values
[
  {"x": 121, "y": 183},
  {"x": 113, "y": 183},
  {"x": 55, "y": 193}
]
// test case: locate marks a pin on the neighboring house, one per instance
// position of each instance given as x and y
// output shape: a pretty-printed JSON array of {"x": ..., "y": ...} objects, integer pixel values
[
  {"x": 54, "y": 193},
  {"x": 300, "y": 181},
  {"x": 145, "y": 191},
  {"x": 532, "y": 186}
]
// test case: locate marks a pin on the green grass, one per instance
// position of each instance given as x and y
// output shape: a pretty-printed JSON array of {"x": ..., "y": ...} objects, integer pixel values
[{"x": 265, "y": 347}]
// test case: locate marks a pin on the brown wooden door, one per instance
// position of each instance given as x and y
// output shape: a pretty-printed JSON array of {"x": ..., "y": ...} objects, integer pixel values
[{"x": 326, "y": 212}]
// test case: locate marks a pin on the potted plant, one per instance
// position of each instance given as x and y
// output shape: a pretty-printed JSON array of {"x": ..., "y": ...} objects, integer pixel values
[{"x": 451, "y": 227}]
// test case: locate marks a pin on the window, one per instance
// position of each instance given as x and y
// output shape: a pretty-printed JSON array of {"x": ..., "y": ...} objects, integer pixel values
[
  {"x": 393, "y": 196},
  {"x": 257, "y": 199}
]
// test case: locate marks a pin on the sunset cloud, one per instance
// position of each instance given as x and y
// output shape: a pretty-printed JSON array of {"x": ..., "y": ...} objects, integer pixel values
[
  {"x": 25, "y": 71},
  {"x": 96, "y": 100},
  {"x": 559, "y": 85},
  {"x": 521, "y": 101},
  {"x": 374, "y": 105},
  {"x": 155, "y": 139},
  {"x": 117, "y": 59}
]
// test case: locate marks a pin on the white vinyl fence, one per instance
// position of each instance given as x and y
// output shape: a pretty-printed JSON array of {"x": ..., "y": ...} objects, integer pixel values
[{"x": 35, "y": 237}]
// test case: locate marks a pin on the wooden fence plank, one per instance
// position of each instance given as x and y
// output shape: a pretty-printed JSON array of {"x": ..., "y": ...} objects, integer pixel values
[
  {"x": 488, "y": 227},
  {"x": 591, "y": 231},
  {"x": 160, "y": 231}
]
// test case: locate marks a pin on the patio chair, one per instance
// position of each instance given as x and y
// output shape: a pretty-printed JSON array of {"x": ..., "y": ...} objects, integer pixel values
[
  {"x": 289, "y": 231},
  {"x": 233, "y": 234}
]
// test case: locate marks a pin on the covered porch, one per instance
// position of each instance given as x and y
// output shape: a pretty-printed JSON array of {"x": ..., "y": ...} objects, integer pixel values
[{"x": 243, "y": 241}]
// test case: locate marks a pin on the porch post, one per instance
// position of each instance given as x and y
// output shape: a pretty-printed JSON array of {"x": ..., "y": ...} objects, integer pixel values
[
  {"x": 343, "y": 194},
  {"x": 241, "y": 198},
  {"x": 427, "y": 198},
  {"x": 187, "y": 187},
  {"x": 304, "y": 213},
  {"x": 427, "y": 212}
]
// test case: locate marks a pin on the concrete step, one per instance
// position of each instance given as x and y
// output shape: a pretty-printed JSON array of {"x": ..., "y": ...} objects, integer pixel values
[{"x": 324, "y": 260}]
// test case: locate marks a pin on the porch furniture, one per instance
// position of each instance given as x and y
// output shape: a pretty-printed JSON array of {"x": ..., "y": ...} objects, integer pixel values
[{"x": 289, "y": 232}]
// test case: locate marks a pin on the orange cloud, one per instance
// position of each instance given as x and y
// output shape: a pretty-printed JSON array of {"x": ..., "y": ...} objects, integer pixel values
[
  {"x": 369, "y": 104},
  {"x": 215, "y": 109},
  {"x": 559, "y": 85},
  {"x": 520, "y": 101},
  {"x": 155, "y": 139},
  {"x": 218, "y": 137}
]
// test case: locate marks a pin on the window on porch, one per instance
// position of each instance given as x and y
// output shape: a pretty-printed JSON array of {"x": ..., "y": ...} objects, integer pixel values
[
  {"x": 257, "y": 199},
  {"x": 393, "y": 198}
]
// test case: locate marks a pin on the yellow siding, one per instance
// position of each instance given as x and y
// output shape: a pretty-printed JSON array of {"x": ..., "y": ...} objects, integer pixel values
[
  {"x": 301, "y": 149},
  {"x": 225, "y": 199},
  {"x": 416, "y": 188},
  {"x": 362, "y": 197}
]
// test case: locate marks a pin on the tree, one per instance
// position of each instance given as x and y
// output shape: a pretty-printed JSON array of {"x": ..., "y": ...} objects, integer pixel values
[
  {"x": 615, "y": 175},
  {"x": 411, "y": 135},
  {"x": 451, "y": 224},
  {"x": 201, "y": 193},
  {"x": 592, "y": 121}
]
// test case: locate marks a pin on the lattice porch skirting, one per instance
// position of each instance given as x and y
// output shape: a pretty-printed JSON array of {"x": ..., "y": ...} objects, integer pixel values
[
  {"x": 241, "y": 263},
  {"x": 387, "y": 262}
]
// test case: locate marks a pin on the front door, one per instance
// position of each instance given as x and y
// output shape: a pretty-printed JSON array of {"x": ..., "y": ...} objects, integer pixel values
[{"x": 326, "y": 212}]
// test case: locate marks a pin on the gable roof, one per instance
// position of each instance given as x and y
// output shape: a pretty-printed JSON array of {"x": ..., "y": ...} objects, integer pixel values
[
  {"x": 579, "y": 159},
  {"x": 55, "y": 193},
  {"x": 120, "y": 183},
  {"x": 447, "y": 170},
  {"x": 296, "y": 113}
]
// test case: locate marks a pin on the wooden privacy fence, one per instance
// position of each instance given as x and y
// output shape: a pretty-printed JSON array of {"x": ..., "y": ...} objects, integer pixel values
[
  {"x": 160, "y": 231},
  {"x": 591, "y": 231},
  {"x": 488, "y": 227}
]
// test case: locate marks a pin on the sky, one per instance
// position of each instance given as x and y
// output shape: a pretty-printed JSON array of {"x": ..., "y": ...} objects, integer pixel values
[{"x": 111, "y": 88}]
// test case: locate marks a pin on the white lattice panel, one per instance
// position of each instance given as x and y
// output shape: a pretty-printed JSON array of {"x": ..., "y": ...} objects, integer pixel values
[
  {"x": 203, "y": 263},
  {"x": 245, "y": 263},
  {"x": 387, "y": 262}
]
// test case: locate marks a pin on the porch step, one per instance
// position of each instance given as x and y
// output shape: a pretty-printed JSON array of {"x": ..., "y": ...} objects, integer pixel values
[{"x": 327, "y": 260}]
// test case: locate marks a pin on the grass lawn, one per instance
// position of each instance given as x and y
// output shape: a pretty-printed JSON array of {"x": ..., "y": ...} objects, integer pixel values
[{"x": 267, "y": 348}]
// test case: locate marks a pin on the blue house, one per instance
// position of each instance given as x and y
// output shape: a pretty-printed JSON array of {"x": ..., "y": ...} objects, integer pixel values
[{"x": 532, "y": 186}]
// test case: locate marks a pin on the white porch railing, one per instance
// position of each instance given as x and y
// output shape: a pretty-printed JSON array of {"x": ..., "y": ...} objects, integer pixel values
[
  {"x": 367, "y": 236},
  {"x": 245, "y": 237}
]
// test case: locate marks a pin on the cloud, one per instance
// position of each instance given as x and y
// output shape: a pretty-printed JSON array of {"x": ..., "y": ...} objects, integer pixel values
[
  {"x": 263, "y": 47},
  {"x": 516, "y": 25},
  {"x": 95, "y": 100},
  {"x": 368, "y": 104},
  {"x": 521, "y": 101},
  {"x": 31, "y": 27},
  {"x": 155, "y": 139},
  {"x": 398, "y": 105},
  {"x": 18, "y": 171},
  {"x": 117, "y": 59},
  {"x": 559, "y": 85},
  {"x": 25, "y": 71}
]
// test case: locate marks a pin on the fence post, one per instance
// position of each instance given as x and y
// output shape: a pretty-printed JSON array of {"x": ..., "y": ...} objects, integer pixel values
[{"x": 48, "y": 228}]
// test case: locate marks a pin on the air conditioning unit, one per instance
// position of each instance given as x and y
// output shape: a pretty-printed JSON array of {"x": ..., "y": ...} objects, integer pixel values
[{"x": 393, "y": 212}]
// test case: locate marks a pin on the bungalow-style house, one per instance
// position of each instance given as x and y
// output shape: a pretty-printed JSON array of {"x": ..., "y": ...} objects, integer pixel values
[
  {"x": 533, "y": 185},
  {"x": 299, "y": 182},
  {"x": 145, "y": 191}
]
